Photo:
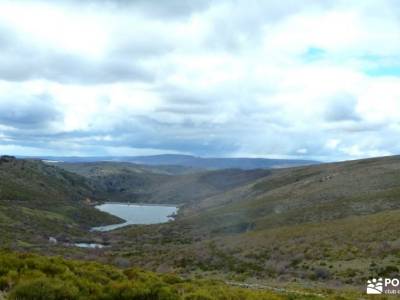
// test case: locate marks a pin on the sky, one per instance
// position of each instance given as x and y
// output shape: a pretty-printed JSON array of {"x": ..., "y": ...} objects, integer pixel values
[{"x": 299, "y": 79}]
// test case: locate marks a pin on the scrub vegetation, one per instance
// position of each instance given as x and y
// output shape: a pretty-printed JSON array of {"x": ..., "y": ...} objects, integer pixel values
[
  {"x": 323, "y": 228},
  {"x": 27, "y": 276}
]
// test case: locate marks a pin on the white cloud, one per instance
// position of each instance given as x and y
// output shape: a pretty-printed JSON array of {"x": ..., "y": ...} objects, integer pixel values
[
  {"x": 332, "y": 144},
  {"x": 222, "y": 78}
]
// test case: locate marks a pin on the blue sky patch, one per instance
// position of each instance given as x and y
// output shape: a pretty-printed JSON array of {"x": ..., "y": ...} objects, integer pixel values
[
  {"x": 313, "y": 53},
  {"x": 384, "y": 71}
]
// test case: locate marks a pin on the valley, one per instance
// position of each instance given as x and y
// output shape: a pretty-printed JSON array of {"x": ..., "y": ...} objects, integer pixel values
[
  {"x": 199, "y": 150},
  {"x": 326, "y": 228}
]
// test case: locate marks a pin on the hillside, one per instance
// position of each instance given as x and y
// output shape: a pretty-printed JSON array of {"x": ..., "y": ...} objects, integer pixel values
[
  {"x": 322, "y": 226},
  {"x": 38, "y": 201},
  {"x": 336, "y": 224},
  {"x": 135, "y": 183},
  {"x": 191, "y": 162},
  {"x": 119, "y": 181},
  {"x": 219, "y": 163},
  {"x": 99, "y": 168},
  {"x": 29, "y": 180},
  {"x": 311, "y": 194},
  {"x": 27, "y": 276}
]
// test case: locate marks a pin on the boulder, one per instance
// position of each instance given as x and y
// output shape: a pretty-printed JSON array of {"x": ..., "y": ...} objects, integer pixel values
[{"x": 52, "y": 240}]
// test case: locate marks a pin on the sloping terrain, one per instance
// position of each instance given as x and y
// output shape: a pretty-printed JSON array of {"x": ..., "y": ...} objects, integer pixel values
[
  {"x": 336, "y": 224},
  {"x": 135, "y": 183},
  {"x": 219, "y": 163},
  {"x": 29, "y": 180},
  {"x": 331, "y": 225},
  {"x": 188, "y": 161},
  {"x": 27, "y": 276},
  {"x": 310, "y": 194},
  {"x": 98, "y": 168},
  {"x": 38, "y": 201},
  {"x": 119, "y": 181}
]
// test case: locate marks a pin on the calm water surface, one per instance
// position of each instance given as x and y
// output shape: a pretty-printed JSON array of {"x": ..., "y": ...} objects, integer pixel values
[
  {"x": 136, "y": 214},
  {"x": 89, "y": 245}
]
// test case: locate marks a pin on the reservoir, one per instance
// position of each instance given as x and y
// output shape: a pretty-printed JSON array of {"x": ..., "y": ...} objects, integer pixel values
[
  {"x": 136, "y": 214},
  {"x": 89, "y": 245}
]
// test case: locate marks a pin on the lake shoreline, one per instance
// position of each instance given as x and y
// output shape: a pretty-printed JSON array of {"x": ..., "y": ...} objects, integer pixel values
[
  {"x": 136, "y": 214},
  {"x": 139, "y": 204}
]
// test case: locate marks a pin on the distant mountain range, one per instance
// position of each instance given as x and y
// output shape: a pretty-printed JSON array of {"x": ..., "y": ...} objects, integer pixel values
[{"x": 193, "y": 161}]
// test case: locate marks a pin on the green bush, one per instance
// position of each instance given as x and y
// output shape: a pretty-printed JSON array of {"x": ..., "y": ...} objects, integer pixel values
[
  {"x": 389, "y": 271},
  {"x": 34, "y": 277},
  {"x": 44, "y": 289},
  {"x": 199, "y": 295}
]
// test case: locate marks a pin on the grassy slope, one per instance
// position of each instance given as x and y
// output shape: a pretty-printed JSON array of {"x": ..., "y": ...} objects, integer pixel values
[
  {"x": 130, "y": 182},
  {"x": 119, "y": 181},
  {"x": 109, "y": 167},
  {"x": 308, "y": 194},
  {"x": 334, "y": 223},
  {"x": 25, "y": 276},
  {"x": 38, "y": 200},
  {"x": 336, "y": 254},
  {"x": 329, "y": 214},
  {"x": 32, "y": 180}
]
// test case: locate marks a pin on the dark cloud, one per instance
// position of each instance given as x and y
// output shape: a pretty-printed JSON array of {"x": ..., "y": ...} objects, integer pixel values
[
  {"x": 28, "y": 113},
  {"x": 342, "y": 108},
  {"x": 146, "y": 46},
  {"x": 153, "y": 8},
  {"x": 184, "y": 110},
  {"x": 19, "y": 65},
  {"x": 182, "y": 101},
  {"x": 22, "y": 60},
  {"x": 170, "y": 9},
  {"x": 140, "y": 133}
]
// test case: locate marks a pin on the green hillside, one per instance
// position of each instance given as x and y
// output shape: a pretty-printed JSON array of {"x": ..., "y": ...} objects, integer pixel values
[
  {"x": 26, "y": 276},
  {"x": 334, "y": 224},
  {"x": 325, "y": 227},
  {"x": 308, "y": 194},
  {"x": 38, "y": 201},
  {"x": 30, "y": 180},
  {"x": 159, "y": 184}
]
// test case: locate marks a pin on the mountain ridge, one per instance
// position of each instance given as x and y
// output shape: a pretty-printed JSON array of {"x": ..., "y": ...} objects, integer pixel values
[{"x": 211, "y": 163}]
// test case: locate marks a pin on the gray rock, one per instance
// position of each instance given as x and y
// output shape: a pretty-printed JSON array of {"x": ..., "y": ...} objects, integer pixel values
[{"x": 52, "y": 240}]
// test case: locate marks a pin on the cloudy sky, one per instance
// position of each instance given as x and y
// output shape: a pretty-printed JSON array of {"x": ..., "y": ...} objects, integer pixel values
[{"x": 297, "y": 78}]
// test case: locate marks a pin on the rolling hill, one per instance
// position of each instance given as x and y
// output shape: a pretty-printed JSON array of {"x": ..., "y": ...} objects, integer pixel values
[
  {"x": 129, "y": 182},
  {"x": 219, "y": 163},
  {"x": 38, "y": 200},
  {"x": 327, "y": 226},
  {"x": 333, "y": 224},
  {"x": 191, "y": 162},
  {"x": 312, "y": 194}
]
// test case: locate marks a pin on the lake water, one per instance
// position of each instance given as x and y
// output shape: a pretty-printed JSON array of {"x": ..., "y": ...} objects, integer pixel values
[
  {"x": 136, "y": 214},
  {"x": 89, "y": 245}
]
